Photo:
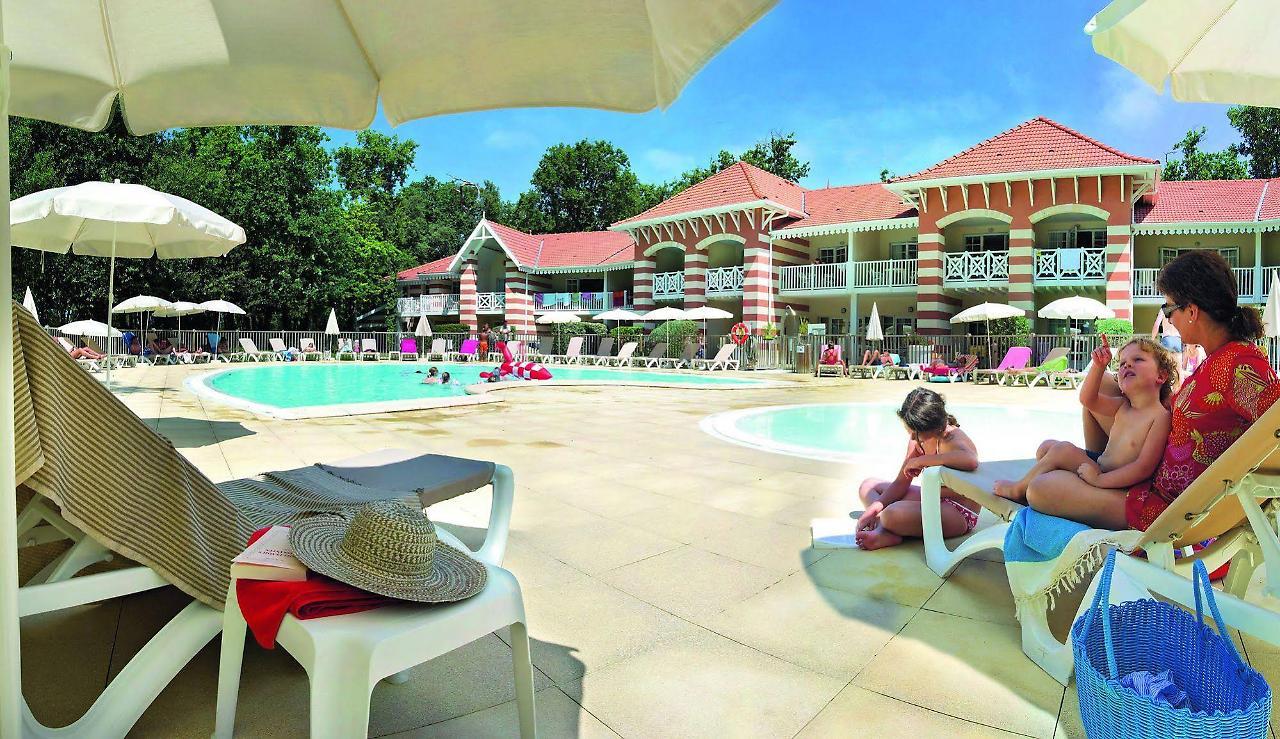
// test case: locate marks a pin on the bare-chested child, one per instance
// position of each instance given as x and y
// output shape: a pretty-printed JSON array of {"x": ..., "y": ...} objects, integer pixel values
[
  {"x": 1138, "y": 434},
  {"x": 893, "y": 506}
]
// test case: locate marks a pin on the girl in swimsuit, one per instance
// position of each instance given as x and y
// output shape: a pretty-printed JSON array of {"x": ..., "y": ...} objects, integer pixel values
[{"x": 893, "y": 506}]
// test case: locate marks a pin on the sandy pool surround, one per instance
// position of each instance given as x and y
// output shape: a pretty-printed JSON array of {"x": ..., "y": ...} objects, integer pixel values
[{"x": 476, "y": 394}]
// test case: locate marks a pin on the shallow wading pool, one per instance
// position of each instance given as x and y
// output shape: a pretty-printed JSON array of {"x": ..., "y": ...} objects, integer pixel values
[{"x": 871, "y": 433}]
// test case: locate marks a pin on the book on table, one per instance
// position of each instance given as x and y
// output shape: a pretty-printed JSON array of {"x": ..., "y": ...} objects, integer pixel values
[{"x": 270, "y": 557}]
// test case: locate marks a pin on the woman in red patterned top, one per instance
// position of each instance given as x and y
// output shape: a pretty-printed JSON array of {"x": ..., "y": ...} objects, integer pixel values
[{"x": 1226, "y": 393}]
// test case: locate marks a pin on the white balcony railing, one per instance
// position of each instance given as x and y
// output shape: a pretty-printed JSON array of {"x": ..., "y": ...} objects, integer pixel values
[
  {"x": 580, "y": 302},
  {"x": 428, "y": 305},
  {"x": 1144, "y": 282},
  {"x": 491, "y": 302},
  {"x": 813, "y": 277},
  {"x": 668, "y": 285},
  {"x": 976, "y": 267},
  {"x": 725, "y": 280},
  {"x": 1244, "y": 281},
  {"x": 885, "y": 273},
  {"x": 1070, "y": 265}
]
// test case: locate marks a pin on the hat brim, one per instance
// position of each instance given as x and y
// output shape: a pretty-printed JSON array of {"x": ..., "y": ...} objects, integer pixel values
[{"x": 317, "y": 541}]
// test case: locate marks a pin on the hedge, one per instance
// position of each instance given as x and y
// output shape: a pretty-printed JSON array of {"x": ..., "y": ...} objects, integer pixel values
[
  {"x": 562, "y": 332},
  {"x": 675, "y": 333},
  {"x": 1113, "y": 326},
  {"x": 623, "y": 334},
  {"x": 450, "y": 328}
]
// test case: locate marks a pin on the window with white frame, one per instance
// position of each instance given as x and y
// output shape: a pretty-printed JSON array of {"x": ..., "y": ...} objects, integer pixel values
[
  {"x": 571, "y": 285},
  {"x": 833, "y": 255},
  {"x": 1078, "y": 238},
  {"x": 904, "y": 250},
  {"x": 986, "y": 242},
  {"x": 1229, "y": 253}
]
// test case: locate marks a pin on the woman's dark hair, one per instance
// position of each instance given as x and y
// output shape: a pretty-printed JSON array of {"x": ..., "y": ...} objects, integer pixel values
[
  {"x": 924, "y": 411},
  {"x": 1203, "y": 278}
]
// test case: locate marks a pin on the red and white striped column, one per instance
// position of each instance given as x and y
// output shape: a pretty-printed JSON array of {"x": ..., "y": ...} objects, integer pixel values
[
  {"x": 695, "y": 277},
  {"x": 519, "y": 308},
  {"x": 467, "y": 298},
  {"x": 1120, "y": 267},
  {"x": 1022, "y": 243},
  {"x": 934, "y": 308},
  {"x": 642, "y": 285}
]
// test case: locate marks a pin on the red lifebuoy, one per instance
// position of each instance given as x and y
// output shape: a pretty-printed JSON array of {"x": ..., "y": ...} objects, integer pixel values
[{"x": 740, "y": 333}]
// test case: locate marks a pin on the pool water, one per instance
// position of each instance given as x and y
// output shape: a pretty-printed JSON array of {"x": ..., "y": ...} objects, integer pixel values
[
  {"x": 305, "y": 384},
  {"x": 871, "y": 433}
]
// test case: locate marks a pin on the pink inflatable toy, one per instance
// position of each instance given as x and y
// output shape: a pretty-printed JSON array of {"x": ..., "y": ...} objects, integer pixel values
[{"x": 522, "y": 370}]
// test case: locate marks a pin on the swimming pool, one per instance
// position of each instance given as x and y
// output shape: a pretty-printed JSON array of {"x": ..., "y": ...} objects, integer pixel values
[
  {"x": 870, "y": 433},
  {"x": 308, "y": 389}
]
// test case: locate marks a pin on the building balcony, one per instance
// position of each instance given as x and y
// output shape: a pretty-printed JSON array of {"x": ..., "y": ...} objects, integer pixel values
[
  {"x": 581, "y": 302},
  {"x": 813, "y": 277},
  {"x": 1069, "y": 267},
  {"x": 491, "y": 302},
  {"x": 976, "y": 269},
  {"x": 428, "y": 305},
  {"x": 723, "y": 281},
  {"x": 668, "y": 286},
  {"x": 1250, "y": 288},
  {"x": 884, "y": 273}
]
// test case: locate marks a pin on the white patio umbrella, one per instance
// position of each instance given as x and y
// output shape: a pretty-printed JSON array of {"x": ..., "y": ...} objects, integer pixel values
[
  {"x": 178, "y": 309},
  {"x": 669, "y": 313},
  {"x": 254, "y": 63},
  {"x": 423, "y": 328},
  {"x": 705, "y": 312},
  {"x": 96, "y": 329},
  {"x": 222, "y": 306},
  {"x": 1076, "y": 307},
  {"x": 874, "y": 331},
  {"x": 617, "y": 314},
  {"x": 29, "y": 302},
  {"x": 987, "y": 312},
  {"x": 1271, "y": 314},
  {"x": 557, "y": 316},
  {"x": 140, "y": 304},
  {"x": 1212, "y": 51}
]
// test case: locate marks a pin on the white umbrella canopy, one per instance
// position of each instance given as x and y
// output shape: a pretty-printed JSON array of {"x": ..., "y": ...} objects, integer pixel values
[
  {"x": 97, "y": 329},
  {"x": 617, "y": 314},
  {"x": 1076, "y": 307},
  {"x": 987, "y": 312},
  {"x": 706, "y": 312},
  {"x": 1212, "y": 51},
  {"x": 422, "y": 329},
  {"x": 222, "y": 306},
  {"x": 178, "y": 309},
  {"x": 669, "y": 313},
  {"x": 558, "y": 316},
  {"x": 874, "y": 331},
  {"x": 1271, "y": 314},
  {"x": 141, "y": 304},
  {"x": 29, "y": 302}
]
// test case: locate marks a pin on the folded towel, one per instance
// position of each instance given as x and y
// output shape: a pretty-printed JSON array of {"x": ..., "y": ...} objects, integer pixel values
[
  {"x": 1158, "y": 686},
  {"x": 1069, "y": 260}
]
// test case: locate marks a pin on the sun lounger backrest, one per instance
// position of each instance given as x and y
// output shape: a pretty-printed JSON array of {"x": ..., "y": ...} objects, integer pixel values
[
  {"x": 408, "y": 345},
  {"x": 369, "y": 345},
  {"x": 1016, "y": 358},
  {"x": 627, "y": 350},
  {"x": 658, "y": 351},
  {"x": 725, "y": 353},
  {"x": 308, "y": 345},
  {"x": 277, "y": 344},
  {"x": 248, "y": 345},
  {"x": 1056, "y": 353},
  {"x": 469, "y": 346},
  {"x": 213, "y": 341},
  {"x": 437, "y": 346},
  {"x": 690, "y": 349},
  {"x": 575, "y": 347},
  {"x": 895, "y": 359},
  {"x": 62, "y": 341},
  {"x": 1197, "y": 514},
  {"x": 606, "y": 347}
]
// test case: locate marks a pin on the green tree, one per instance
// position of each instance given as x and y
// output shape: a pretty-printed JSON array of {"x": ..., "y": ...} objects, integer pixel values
[
  {"x": 1204, "y": 165},
  {"x": 579, "y": 187},
  {"x": 431, "y": 217},
  {"x": 1259, "y": 130},
  {"x": 375, "y": 167},
  {"x": 772, "y": 155}
]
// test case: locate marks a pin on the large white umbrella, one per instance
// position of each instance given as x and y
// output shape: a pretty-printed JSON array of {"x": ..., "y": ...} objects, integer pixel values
[
  {"x": 874, "y": 330},
  {"x": 96, "y": 329},
  {"x": 1076, "y": 307},
  {"x": 178, "y": 309},
  {"x": 558, "y": 316},
  {"x": 705, "y": 312},
  {"x": 668, "y": 313},
  {"x": 110, "y": 219},
  {"x": 617, "y": 314},
  {"x": 1271, "y": 314},
  {"x": 987, "y": 312},
  {"x": 331, "y": 327},
  {"x": 29, "y": 302},
  {"x": 1212, "y": 51},
  {"x": 222, "y": 306},
  {"x": 141, "y": 304},
  {"x": 174, "y": 64},
  {"x": 423, "y": 328}
]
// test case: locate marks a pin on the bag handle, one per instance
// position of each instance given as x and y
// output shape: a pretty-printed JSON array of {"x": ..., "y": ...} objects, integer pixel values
[
  {"x": 1101, "y": 601},
  {"x": 1200, "y": 581}
]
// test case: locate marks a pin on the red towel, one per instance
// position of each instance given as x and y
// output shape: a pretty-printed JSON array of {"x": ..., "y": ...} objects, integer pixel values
[{"x": 265, "y": 602}]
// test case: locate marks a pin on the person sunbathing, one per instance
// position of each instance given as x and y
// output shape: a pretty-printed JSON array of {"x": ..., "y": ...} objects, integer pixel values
[
  {"x": 893, "y": 506},
  {"x": 1139, "y": 431},
  {"x": 84, "y": 351},
  {"x": 830, "y": 356},
  {"x": 872, "y": 358}
]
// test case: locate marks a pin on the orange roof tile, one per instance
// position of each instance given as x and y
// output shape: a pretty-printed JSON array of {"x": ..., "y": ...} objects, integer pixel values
[
  {"x": 1271, "y": 201},
  {"x": 871, "y": 202},
  {"x": 740, "y": 183},
  {"x": 1202, "y": 201},
  {"x": 584, "y": 248},
  {"x": 437, "y": 267},
  {"x": 1038, "y": 144}
]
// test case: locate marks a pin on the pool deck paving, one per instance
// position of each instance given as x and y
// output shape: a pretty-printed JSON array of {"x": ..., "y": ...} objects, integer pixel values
[{"x": 667, "y": 575}]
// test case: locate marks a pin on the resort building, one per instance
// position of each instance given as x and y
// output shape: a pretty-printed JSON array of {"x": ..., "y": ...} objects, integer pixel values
[{"x": 1025, "y": 217}]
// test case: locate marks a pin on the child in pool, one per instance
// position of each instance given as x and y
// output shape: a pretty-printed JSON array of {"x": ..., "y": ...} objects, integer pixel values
[
  {"x": 445, "y": 379},
  {"x": 893, "y": 506},
  {"x": 495, "y": 375},
  {"x": 433, "y": 377},
  {"x": 1139, "y": 432}
]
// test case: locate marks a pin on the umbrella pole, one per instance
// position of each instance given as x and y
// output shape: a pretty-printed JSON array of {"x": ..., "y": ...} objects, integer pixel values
[
  {"x": 111, "y": 300},
  {"x": 11, "y": 704}
]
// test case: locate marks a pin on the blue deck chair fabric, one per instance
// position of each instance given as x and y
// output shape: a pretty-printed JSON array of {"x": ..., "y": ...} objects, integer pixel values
[{"x": 213, "y": 339}]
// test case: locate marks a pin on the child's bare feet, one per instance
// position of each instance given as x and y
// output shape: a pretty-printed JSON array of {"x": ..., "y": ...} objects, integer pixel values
[
  {"x": 1012, "y": 489},
  {"x": 877, "y": 538}
]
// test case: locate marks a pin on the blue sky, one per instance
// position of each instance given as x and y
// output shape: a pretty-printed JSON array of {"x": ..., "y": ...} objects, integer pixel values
[{"x": 864, "y": 85}]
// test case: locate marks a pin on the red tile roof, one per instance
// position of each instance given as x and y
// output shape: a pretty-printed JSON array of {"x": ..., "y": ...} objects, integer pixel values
[
  {"x": 1038, "y": 144},
  {"x": 851, "y": 203},
  {"x": 740, "y": 183},
  {"x": 438, "y": 267},
  {"x": 523, "y": 246},
  {"x": 1271, "y": 201},
  {"x": 584, "y": 248},
  {"x": 1204, "y": 201}
]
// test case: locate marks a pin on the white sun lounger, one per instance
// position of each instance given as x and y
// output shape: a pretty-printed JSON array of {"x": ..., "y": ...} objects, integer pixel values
[
  {"x": 656, "y": 355},
  {"x": 90, "y": 364},
  {"x": 723, "y": 360},
  {"x": 308, "y": 350},
  {"x": 369, "y": 349},
  {"x": 623, "y": 358},
  {"x": 438, "y": 349},
  {"x": 251, "y": 351},
  {"x": 684, "y": 360},
  {"x": 572, "y": 353}
]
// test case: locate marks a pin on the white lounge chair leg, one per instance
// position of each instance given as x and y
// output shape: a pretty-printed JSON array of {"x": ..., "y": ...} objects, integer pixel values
[
  {"x": 81, "y": 554},
  {"x": 1243, "y": 565},
  {"x": 229, "y": 664},
  {"x": 340, "y": 690},
  {"x": 939, "y": 558},
  {"x": 523, "y": 664}
]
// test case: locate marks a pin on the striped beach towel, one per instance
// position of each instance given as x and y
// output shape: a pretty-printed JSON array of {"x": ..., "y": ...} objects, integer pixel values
[{"x": 125, "y": 486}]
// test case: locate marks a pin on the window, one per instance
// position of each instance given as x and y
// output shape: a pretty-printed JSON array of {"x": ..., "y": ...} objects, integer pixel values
[
  {"x": 904, "y": 250},
  {"x": 571, "y": 285},
  {"x": 835, "y": 326},
  {"x": 1229, "y": 253},
  {"x": 986, "y": 242},
  {"x": 1078, "y": 238},
  {"x": 833, "y": 255}
]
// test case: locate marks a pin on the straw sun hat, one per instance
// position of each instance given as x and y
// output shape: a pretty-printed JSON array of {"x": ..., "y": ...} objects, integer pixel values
[{"x": 390, "y": 549}]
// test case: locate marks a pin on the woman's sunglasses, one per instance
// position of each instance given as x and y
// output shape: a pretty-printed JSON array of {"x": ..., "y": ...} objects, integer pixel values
[{"x": 1169, "y": 309}]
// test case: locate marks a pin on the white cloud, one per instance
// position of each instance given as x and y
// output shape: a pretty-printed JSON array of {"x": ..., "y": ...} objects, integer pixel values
[
  {"x": 1131, "y": 105},
  {"x": 667, "y": 163},
  {"x": 505, "y": 138}
]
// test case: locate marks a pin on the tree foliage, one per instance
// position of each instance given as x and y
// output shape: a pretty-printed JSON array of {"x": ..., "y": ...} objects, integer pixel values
[
  {"x": 1259, "y": 130},
  {"x": 1204, "y": 165},
  {"x": 773, "y": 155},
  {"x": 579, "y": 187}
]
